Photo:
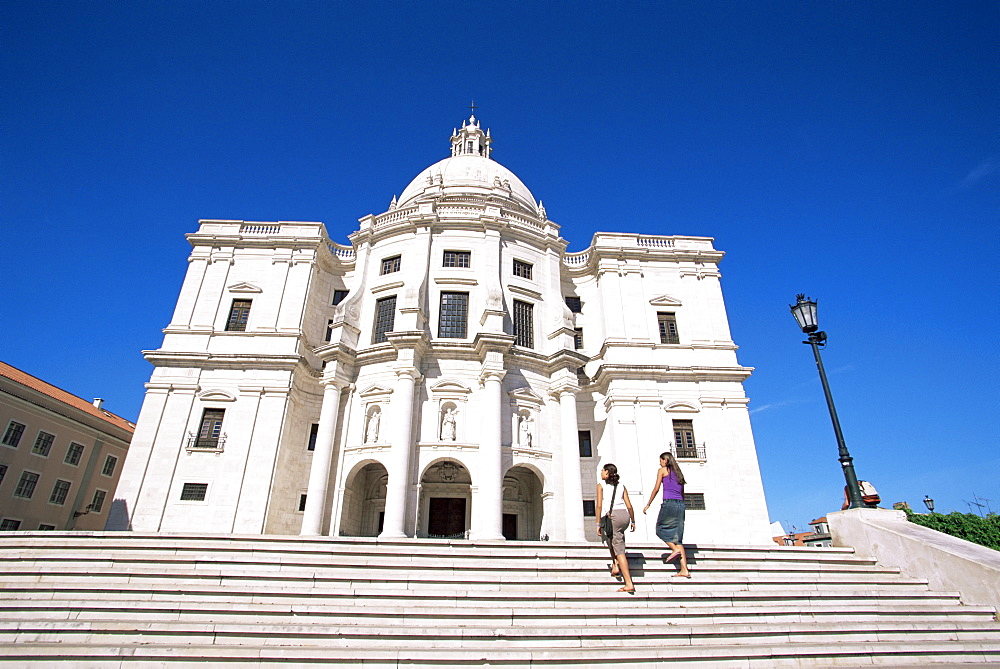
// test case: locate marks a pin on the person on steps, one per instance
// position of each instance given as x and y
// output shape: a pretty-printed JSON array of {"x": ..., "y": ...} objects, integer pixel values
[
  {"x": 612, "y": 499},
  {"x": 670, "y": 521}
]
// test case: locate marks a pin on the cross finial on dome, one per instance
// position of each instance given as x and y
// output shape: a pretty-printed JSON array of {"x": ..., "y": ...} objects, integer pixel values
[{"x": 472, "y": 110}]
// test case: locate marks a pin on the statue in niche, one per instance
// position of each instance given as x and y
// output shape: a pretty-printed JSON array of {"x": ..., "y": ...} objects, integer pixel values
[
  {"x": 524, "y": 430},
  {"x": 449, "y": 424},
  {"x": 371, "y": 434}
]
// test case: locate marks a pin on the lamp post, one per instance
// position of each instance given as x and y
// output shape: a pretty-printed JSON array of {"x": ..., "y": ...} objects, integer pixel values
[
  {"x": 804, "y": 311},
  {"x": 929, "y": 503}
]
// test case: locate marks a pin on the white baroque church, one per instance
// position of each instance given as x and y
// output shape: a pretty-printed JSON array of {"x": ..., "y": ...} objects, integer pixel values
[{"x": 452, "y": 372}]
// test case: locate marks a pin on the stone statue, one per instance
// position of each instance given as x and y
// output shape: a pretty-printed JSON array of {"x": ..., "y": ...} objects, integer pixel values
[
  {"x": 524, "y": 431},
  {"x": 371, "y": 435},
  {"x": 449, "y": 424}
]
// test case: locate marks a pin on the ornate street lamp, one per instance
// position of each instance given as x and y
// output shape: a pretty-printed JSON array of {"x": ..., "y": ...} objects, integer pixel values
[
  {"x": 804, "y": 311},
  {"x": 929, "y": 503}
]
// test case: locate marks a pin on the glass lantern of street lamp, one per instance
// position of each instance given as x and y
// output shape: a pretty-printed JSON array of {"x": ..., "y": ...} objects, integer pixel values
[
  {"x": 804, "y": 311},
  {"x": 929, "y": 503}
]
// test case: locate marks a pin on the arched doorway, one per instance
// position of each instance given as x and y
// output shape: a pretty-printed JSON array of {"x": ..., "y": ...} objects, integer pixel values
[
  {"x": 445, "y": 501},
  {"x": 364, "y": 501},
  {"x": 522, "y": 504}
]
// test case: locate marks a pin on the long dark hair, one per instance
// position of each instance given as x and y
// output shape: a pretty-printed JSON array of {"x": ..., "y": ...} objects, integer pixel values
[
  {"x": 612, "y": 471},
  {"x": 673, "y": 466}
]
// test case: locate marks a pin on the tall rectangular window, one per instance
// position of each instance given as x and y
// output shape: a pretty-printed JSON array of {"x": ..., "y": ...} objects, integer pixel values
[
  {"x": 43, "y": 444},
  {"x": 385, "y": 318},
  {"x": 454, "y": 315},
  {"x": 577, "y": 338},
  {"x": 109, "y": 465},
  {"x": 522, "y": 269},
  {"x": 339, "y": 296},
  {"x": 668, "y": 328},
  {"x": 194, "y": 492},
  {"x": 238, "y": 315},
  {"x": 524, "y": 327},
  {"x": 457, "y": 259},
  {"x": 9, "y": 525},
  {"x": 26, "y": 486},
  {"x": 329, "y": 330},
  {"x": 302, "y": 502},
  {"x": 98, "y": 502},
  {"x": 313, "y": 433},
  {"x": 390, "y": 265},
  {"x": 3, "y": 472},
  {"x": 12, "y": 437},
  {"x": 684, "y": 443},
  {"x": 59, "y": 492},
  {"x": 74, "y": 454},
  {"x": 573, "y": 303},
  {"x": 211, "y": 428},
  {"x": 586, "y": 447}
]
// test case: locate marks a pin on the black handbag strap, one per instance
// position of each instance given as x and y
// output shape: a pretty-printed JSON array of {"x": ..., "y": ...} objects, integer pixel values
[{"x": 611, "y": 507}]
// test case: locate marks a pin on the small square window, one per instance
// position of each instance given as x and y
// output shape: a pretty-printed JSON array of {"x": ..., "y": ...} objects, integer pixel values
[
  {"x": 59, "y": 492},
  {"x": 239, "y": 314},
  {"x": 522, "y": 269},
  {"x": 339, "y": 296},
  {"x": 74, "y": 454},
  {"x": 9, "y": 525},
  {"x": 313, "y": 433},
  {"x": 457, "y": 259},
  {"x": 98, "y": 502},
  {"x": 194, "y": 492},
  {"x": 573, "y": 303},
  {"x": 586, "y": 448},
  {"x": 26, "y": 486},
  {"x": 46, "y": 528},
  {"x": 390, "y": 265},
  {"x": 109, "y": 465},
  {"x": 302, "y": 502},
  {"x": 694, "y": 501},
  {"x": 12, "y": 437},
  {"x": 589, "y": 507},
  {"x": 43, "y": 444}
]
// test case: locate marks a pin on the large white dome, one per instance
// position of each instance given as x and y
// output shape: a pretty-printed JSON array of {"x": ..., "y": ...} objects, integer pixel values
[{"x": 473, "y": 175}]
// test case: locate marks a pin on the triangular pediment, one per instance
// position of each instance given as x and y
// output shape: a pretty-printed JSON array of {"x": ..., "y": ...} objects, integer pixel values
[
  {"x": 525, "y": 396},
  {"x": 665, "y": 301},
  {"x": 244, "y": 287},
  {"x": 375, "y": 389}
]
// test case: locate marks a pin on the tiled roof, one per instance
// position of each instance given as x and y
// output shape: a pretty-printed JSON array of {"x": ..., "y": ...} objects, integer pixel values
[{"x": 58, "y": 394}]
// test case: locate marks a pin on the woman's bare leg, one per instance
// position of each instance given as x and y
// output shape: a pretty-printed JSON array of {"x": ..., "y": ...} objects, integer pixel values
[
  {"x": 623, "y": 567},
  {"x": 678, "y": 550}
]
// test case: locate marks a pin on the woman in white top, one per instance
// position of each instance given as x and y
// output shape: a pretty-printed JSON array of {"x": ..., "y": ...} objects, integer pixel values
[{"x": 612, "y": 497}]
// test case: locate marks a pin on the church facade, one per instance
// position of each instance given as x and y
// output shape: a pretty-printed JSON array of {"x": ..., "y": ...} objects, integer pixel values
[{"x": 452, "y": 372}]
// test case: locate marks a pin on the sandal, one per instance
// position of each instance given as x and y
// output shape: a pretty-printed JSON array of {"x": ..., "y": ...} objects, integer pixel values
[{"x": 629, "y": 591}]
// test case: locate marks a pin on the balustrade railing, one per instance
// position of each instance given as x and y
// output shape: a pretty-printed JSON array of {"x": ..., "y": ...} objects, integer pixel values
[
  {"x": 695, "y": 452},
  {"x": 208, "y": 443}
]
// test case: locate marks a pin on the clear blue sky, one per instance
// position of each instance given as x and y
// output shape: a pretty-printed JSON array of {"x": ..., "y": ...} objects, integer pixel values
[{"x": 847, "y": 150}]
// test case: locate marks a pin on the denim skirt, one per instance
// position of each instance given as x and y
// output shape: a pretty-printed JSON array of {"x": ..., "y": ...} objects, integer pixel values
[{"x": 670, "y": 521}]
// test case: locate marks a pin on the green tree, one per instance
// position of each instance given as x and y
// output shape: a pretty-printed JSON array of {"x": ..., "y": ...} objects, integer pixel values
[{"x": 968, "y": 526}]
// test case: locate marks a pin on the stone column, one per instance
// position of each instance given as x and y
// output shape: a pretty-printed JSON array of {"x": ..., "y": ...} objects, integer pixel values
[
  {"x": 394, "y": 526},
  {"x": 488, "y": 506},
  {"x": 319, "y": 473},
  {"x": 570, "y": 456}
]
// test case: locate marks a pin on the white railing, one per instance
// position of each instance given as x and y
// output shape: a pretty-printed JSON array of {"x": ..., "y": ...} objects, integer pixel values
[
  {"x": 576, "y": 259},
  {"x": 656, "y": 242},
  {"x": 342, "y": 252},
  {"x": 260, "y": 229}
]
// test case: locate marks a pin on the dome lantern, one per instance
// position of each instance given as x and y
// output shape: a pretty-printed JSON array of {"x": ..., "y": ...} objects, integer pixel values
[{"x": 471, "y": 140}]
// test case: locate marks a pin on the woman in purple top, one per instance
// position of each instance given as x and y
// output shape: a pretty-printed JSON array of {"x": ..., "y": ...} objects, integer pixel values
[{"x": 670, "y": 522}]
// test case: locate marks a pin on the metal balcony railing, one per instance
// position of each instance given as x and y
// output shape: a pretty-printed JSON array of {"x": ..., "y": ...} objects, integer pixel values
[
  {"x": 214, "y": 443},
  {"x": 696, "y": 452}
]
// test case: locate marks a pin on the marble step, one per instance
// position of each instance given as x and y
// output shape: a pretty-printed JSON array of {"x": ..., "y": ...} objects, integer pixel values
[{"x": 741, "y": 656}]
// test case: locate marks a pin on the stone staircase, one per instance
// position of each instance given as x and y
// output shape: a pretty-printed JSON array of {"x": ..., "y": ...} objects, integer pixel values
[{"x": 144, "y": 600}]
